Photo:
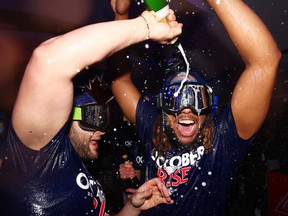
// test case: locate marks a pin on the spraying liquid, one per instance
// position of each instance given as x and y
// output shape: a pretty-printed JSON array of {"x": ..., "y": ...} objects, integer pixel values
[
  {"x": 161, "y": 8},
  {"x": 187, "y": 69}
]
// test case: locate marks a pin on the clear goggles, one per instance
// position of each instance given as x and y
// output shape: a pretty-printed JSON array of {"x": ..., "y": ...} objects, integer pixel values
[
  {"x": 92, "y": 117},
  {"x": 198, "y": 98}
]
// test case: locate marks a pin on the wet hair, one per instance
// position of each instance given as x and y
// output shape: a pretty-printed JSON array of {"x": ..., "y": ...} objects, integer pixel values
[
  {"x": 162, "y": 138},
  {"x": 163, "y": 134}
]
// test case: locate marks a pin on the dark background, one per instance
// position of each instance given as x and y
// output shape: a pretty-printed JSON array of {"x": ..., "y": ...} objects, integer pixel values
[{"x": 26, "y": 23}]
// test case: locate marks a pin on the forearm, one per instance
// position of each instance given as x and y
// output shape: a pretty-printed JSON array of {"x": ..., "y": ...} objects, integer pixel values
[
  {"x": 261, "y": 55},
  {"x": 127, "y": 95},
  {"x": 88, "y": 45}
]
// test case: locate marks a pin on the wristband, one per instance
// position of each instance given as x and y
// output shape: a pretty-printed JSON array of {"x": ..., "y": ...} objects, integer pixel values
[{"x": 147, "y": 25}]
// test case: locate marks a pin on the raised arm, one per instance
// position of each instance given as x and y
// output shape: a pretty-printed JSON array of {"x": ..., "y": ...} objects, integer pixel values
[
  {"x": 45, "y": 97},
  {"x": 252, "y": 94},
  {"x": 123, "y": 88}
]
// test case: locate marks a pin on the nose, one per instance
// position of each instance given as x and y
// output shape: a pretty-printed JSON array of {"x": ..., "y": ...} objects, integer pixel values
[
  {"x": 98, "y": 134},
  {"x": 186, "y": 111}
]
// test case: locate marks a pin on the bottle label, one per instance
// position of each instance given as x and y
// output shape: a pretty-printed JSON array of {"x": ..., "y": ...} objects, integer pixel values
[
  {"x": 162, "y": 13},
  {"x": 155, "y": 5}
]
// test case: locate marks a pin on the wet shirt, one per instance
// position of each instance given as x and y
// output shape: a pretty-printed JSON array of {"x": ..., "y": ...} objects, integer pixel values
[
  {"x": 197, "y": 181},
  {"x": 52, "y": 181}
]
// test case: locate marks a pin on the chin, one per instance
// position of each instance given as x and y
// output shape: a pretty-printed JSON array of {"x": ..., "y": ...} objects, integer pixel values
[
  {"x": 89, "y": 156},
  {"x": 93, "y": 156},
  {"x": 186, "y": 140}
]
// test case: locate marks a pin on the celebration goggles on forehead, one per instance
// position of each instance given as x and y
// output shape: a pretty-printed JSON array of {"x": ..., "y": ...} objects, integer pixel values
[
  {"x": 92, "y": 117},
  {"x": 197, "y": 97}
]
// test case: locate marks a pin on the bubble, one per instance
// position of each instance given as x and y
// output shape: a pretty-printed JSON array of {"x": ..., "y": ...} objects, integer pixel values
[
  {"x": 147, "y": 46},
  {"x": 204, "y": 184},
  {"x": 209, "y": 173}
]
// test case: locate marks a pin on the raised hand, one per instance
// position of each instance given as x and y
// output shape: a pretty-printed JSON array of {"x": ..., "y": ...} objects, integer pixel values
[{"x": 150, "y": 194}]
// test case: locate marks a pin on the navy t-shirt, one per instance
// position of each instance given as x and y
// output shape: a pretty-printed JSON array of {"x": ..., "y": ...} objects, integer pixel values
[
  {"x": 198, "y": 182},
  {"x": 52, "y": 181}
]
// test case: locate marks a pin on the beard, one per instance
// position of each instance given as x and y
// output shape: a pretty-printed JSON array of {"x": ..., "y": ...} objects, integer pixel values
[
  {"x": 80, "y": 142},
  {"x": 176, "y": 142}
]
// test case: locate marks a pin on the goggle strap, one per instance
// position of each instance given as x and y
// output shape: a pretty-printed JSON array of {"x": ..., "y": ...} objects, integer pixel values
[
  {"x": 159, "y": 100},
  {"x": 77, "y": 114},
  {"x": 211, "y": 95}
]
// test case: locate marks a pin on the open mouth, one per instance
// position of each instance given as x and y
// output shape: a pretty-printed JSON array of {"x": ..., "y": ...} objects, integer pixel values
[
  {"x": 186, "y": 127},
  {"x": 94, "y": 144}
]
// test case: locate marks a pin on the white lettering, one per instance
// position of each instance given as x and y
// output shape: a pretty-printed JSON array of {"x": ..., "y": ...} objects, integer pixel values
[
  {"x": 178, "y": 161},
  {"x": 82, "y": 184},
  {"x": 185, "y": 159},
  {"x": 176, "y": 158}
]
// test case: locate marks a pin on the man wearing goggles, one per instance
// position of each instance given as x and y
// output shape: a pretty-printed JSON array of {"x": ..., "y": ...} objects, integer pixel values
[
  {"x": 41, "y": 165},
  {"x": 89, "y": 117},
  {"x": 174, "y": 98},
  {"x": 184, "y": 107},
  {"x": 92, "y": 117},
  {"x": 195, "y": 154}
]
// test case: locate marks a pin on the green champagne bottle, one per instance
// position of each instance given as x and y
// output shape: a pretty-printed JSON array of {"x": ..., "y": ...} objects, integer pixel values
[
  {"x": 160, "y": 7},
  {"x": 133, "y": 182}
]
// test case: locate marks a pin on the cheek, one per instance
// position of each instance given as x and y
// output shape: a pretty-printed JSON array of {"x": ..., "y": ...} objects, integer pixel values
[
  {"x": 171, "y": 120},
  {"x": 82, "y": 138}
]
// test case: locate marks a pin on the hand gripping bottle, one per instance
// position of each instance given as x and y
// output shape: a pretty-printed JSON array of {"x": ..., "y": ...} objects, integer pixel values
[
  {"x": 161, "y": 8},
  {"x": 130, "y": 182}
]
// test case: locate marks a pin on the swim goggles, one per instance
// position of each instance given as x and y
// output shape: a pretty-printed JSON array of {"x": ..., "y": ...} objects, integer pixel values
[
  {"x": 197, "y": 97},
  {"x": 92, "y": 116}
]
